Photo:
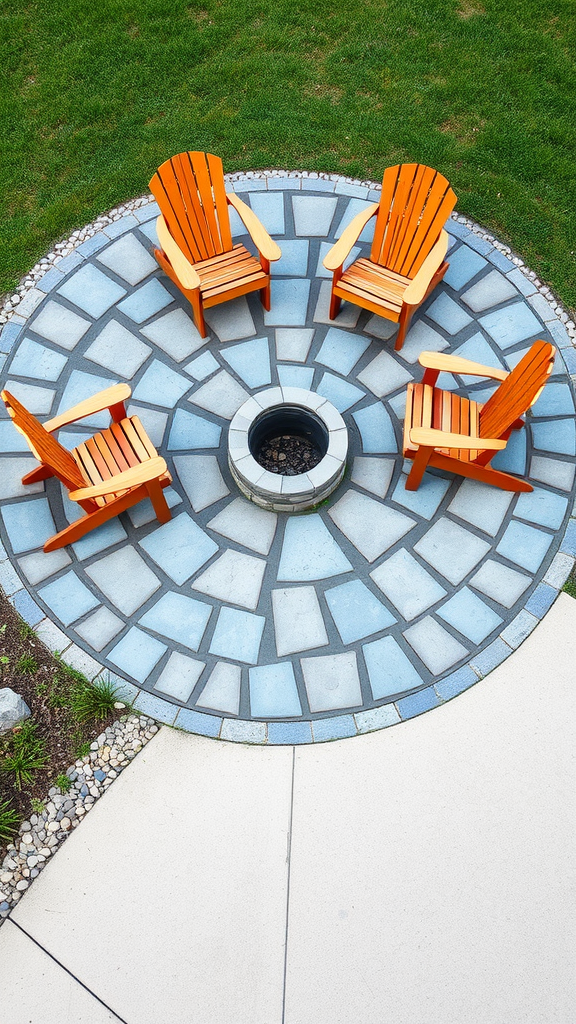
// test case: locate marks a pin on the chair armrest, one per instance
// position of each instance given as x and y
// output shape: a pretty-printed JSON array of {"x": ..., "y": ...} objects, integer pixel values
[
  {"x": 417, "y": 288},
  {"x": 97, "y": 403},
  {"x": 334, "y": 259},
  {"x": 442, "y": 439},
  {"x": 182, "y": 267},
  {"x": 266, "y": 246},
  {"x": 152, "y": 469},
  {"x": 456, "y": 364}
]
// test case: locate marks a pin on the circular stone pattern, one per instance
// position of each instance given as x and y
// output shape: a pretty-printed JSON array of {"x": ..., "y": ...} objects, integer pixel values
[
  {"x": 275, "y": 411},
  {"x": 267, "y": 627}
]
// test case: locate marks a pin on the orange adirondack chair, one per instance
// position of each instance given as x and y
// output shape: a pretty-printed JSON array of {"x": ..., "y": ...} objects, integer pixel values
[
  {"x": 107, "y": 474},
  {"x": 407, "y": 256},
  {"x": 194, "y": 231},
  {"x": 442, "y": 429}
]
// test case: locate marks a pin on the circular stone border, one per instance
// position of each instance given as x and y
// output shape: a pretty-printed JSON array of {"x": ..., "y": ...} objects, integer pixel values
[{"x": 67, "y": 255}]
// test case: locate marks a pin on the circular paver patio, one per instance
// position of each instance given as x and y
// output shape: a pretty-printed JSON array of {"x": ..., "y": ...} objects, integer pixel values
[{"x": 235, "y": 622}]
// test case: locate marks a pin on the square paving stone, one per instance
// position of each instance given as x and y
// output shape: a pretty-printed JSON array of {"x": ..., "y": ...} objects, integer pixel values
[
  {"x": 99, "y": 539},
  {"x": 425, "y": 501},
  {"x": 381, "y": 328},
  {"x": 434, "y": 645},
  {"x": 298, "y": 621},
  {"x": 557, "y": 436},
  {"x": 235, "y": 578},
  {"x": 293, "y": 343},
  {"x": 347, "y": 317},
  {"x": 469, "y": 615},
  {"x": 28, "y": 609},
  {"x": 222, "y": 691},
  {"x": 340, "y": 350},
  {"x": 137, "y": 654},
  {"x": 332, "y": 681},
  {"x": 389, "y": 669},
  {"x": 313, "y": 214},
  {"x": 201, "y": 478},
  {"x": 288, "y": 303},
  {"x": 237, "y": 635},
  {"x": 128, "y": 259},
  {"x": 179, "y": 677},
  {"x": 384, "y": 375},
  {"x": 251, "y": 361},
  {"x": 490, "y": 291},
  {"x": 37, "y": 400},
  {"x": 37, "y": 361},
  {"x": 124, "y": 578},
  {"x": 555, "y": 400},
  {"x": 376, "y": 430},
  {"x": 524, "y": 545},
  {"x": 542, "y": 507},
  {"x": 481, "y": 505},
  {"x": 100, "y": 628},
  {"x": 273, "y": 692},
  {"x": 325, "y": 249},
  {"x": 203, "y": 366},
  {"x": 41, "y": 564},
  {"x": 294, "y": 259},
  {"x": 409, "y": 587},
  {"x": 269, "y": 208},
  {"x": 175, "y": 334},
  {"x": 11, "y": 440},
  {"x": 499, "y": 582},
  {"x": 221, "y": 395},
  {"x": 191, "y": 431},
  {"x": 464, "y": 265},
  {"x": 68, "y": 598},
  {"x": 245, "y": 523},
  {"x": 231, "y": 321},
  {"x": 340, "y": 393},
  {"x": 513, "y": 457},
  {"x": 356, "y": 611},
  {"x": 511, "y": 325},
  {"x": 160, "y": 385},
  {"x": 91, "y": 290},
  {"x": 373, "y": 474},
  {"x": 179, "y": 618},
  {"x": 448, "y": 314},
  {"x": 28, "y": 524},
  {"x": 451, "y": 550},
  {"x": 295, "y": 376},
  {"x": 370, "y": 526},
  {"x": 354, "y": 207},
  {"x": 11, "y": 472},
  {"x": 179, "y": 547},
  {"x": 146, "y": 301},
  {"x": 552, "y": 472},
  {"x": 310, "y": 552},
  {"x": 118, "y": 350}
]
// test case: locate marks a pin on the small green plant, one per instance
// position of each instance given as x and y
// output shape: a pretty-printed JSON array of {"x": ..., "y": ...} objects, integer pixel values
[
  {"x": 26, "y": 632},
  {"x": 82, "y": 750},
  {"x": 37, "y": 805},
  {"x": 94, "y": 700},
  {"x": 9, "y": 820},
  {"x": 4, "y": 662},
  {"x": 2, "y": 629},
  {"x": 570, "y": 587},
  {"x": 25, "y": 754},
  {"x": 26, "y": 665},
  {"x": 63, "y": 783}
]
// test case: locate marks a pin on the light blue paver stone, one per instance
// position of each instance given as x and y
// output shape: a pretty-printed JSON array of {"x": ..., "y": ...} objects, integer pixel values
[
  {"x": 201, "y": 478},
  {"x": 356, "y": 611},
  {"x": 557, "y": 436},
  {"x": 451, "y": 550},
  {"x": 154, "y": 423},
  {"x": 312, "y": 215},
  {"x": 456, "y": 683},
  {"x": 296, "y": 376},
  {"x": 192, "y": 431},
  {"x": 91, "y": 245},
  {"x": 568, "y": 545},
  {"x": 37, "y": 361},
  {"x": 222, "y": 690},
  {"x": 332, "y": 681},
  {"x": 492, "y": 656},
  {"x": 500, "y": 260},
  {"x": 118, "y": 350},
  {"x": 559, "y": 334},
  {"x": 469, "y": 615},
  {"x": 348, "y": 188},
  {"x": 542, "y": 507},
  {"x": 481, "y": 245},
  {"x": 373, "y": 474},
  {"x": 30, "y": 302},
  {"x": 10, "y": 332},
  {"x": 552, "y": 471},
  {"x": 368, "y": 524},
  {"x": 196, "y": 722},
  {"x": 179, "y": 676},
  {"x": 555, "y": 400},
  {"x": 559, "y": 570},
  {"x": 99, "y": 539},
  {"x": 524, "y": 545},
  {"x": 124, "y": 578},
  {"x": 490, "y": 291},
  {"x": 28, "y": 524},
  {"x": 293, "y": 344},
  {"x": 318, "y": 185},
  {"x": 417, "y": 703},
  {"x": 179, "y": 547},
  {"x": 294, "y": 259},
  {"x": 406, "y": 583},
  {"x": 81, "y": 386},
  {"x": 340, "y": 393},
  {"x": 325, "y": 249},
  {"x": 83, "y": 662},
  {"x": 500, "y": 582},
  {"x": 9, "y": 578},
  {"x": 464, "y": 265},
  {"x": 341, "y": 350},
  {"x": 237, "y": 227},
  {"x": 40, "y": 564},
  {"x": 426, "y": 499},
  {"x": 354, "y": 207},
  {"x": 512, "y": 459},
  {"x": 448, "y": 314},
  {"x": 541, "y": 600},
  {"x": 420, "y": 338},
  {"x": 389, "y": 669},
  {"x": 384, "y": 374},
  {"x": 100, "y": 628},
  {"x": 156, "y": 708},
  {"x": 522, "y": 283},
  {"x": 146, "y": 301},
  {"x": 481, "y": 505},
  {"x": 520, "y": 627},
  {"x": 137, "y": 654},
  {"x": 251, "y": 361},
  {"x": 71, "y": 262},
  {"x": 376, "y": 430},
  {"x": 60, "y": 325},
  {"x": 175, "y": 334},
  {"x": 273, "y": 691},
  {"x": 128, "y": 259},
  {"x": 376, "y": 718},
  {"x": 289, "y": 733},
  {"x": 231, "y": 321},
  {"x": 338, "y": 728},
  {"x": 68, "y": 598},
  {"x": 11, "y": 472},
  {"x": 237, "y": 635},
  {"x": 434, "y": 645},
  {"x": 455, "y": 228},
  {"x": 243, "y": 732},
  {"x": 510, "y": 325},
  {"x": 178, "y": 618},
  {"x": 149, "y": 229},
  {"x": 288, "y": 303},
  {"x": 160, "y": 385},
  {"x": 348, "y": 315},
  {"x": 91, "y": 290},
  {"x": 27, "y": 607},
  {"x": 37, "y": 400},
  {"x": 478, "y": 350},
  {"x": 282, "y": 182},
  {"x": 202, "y": 366},
  {"x": 309, "y": 551},
  {"x": 52, "y": 278}
]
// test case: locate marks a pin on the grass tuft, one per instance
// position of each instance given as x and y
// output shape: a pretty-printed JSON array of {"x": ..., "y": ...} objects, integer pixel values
[
  {"x": 95, "y": 700},
  {"x": 24, "y": 754},
  {"x": 9, "y": 821}
]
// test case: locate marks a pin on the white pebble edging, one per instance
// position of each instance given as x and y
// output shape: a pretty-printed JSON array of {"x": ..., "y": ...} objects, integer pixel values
[{"x": 40, "y": 837}]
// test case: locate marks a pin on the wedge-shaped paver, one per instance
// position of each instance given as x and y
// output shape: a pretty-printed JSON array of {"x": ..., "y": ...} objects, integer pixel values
[
  {"x": 557, "y": 436},
  {"x": 340, "y": 350},
  {"x": 481, "y": 505},
  {"x": 222, "y": 691},
  {"x": 28, "y": 524},
  {"x": 237, "y": 635},
  {"x": 373, "y": 474},
  {"x": 37, "y": 361},
  {"x": 231, "y": 321},
  {"x": 409, "y": 587},
  {"x": 512, "y": 459},
  {"x": 203, "y": 366},
  {"x": 273, "y": 691},
  {"x": 235, "y": 578},
  {"x": 340, "y": 393},
  {"x": 68, "y": 598},
  {"x": 309, "y": 551},
  {"x": 312, "y": 215},
  {"x": 288, "y": 303},
  {"x": 478, "y": 350},
  {"x": 555, "y": 400},
  {"x": 356, "y": 611},
  {"x": 524, "y": 545},
  {"x": 347, "y": 317},
  {"x": 389, "y": 669},
  {"x": 179, "y": 676},
  {"x": 420, "y": 338},
  {"x": 179, "y": 547},
  {"x": 269, "y": 208},
  {"x": 251, "y": 361},
  {"x": 434, "y": 645},
  {"x": 118, "y": 350},
  {"x": 332, "y": 681},
  {"x": 490, "y": 290},
  {"x": 511, "y": 324},
  {"x": 296, "y": 377},
  {"x": 11, "y": 472},
  {"x": 59, "y": 324},
  {"x": 11, "y": 440},
  {"x": 124, "y": 578},
  {"x": 161, "y": 385},
  {"x": 464, "y": 265},
  {"x": 552, "y": 471},
  {"x": 100, "y": 628},
  {"x": 294, "y": 259},
  {"x": 448, "y": 314},
  {"x": 146, "y": 301},
  {"x": 37, "y": 400},
  {"x": 128, "y": 259},
  {"x": 221, "y": 395},
  {"x": 451, "y": 550},
  {"x": 91, "y": 290},
  {"x": 376, "y": 430},
  {"x": 298, "y": 621},
  {"x": 293, "y": 343},
  {"x": 384, "y": 375},
  {"x": 175, "y": 334},
  {"x": 500, "y": 582},
  {"x": 245, "y": 523},
  {"x": 41, "y": 564},
  {"x": 192, "y": 431},
  {"x": 426, "y": 500},
  {"x": 178, "y": 617},
  {"x": 542, "y": 507},
  {"x": 201, "y": 478},
  {"x": 470, "y": 616},
  {"x": 81, "y": 386},
  {"x": 137, "y": 654},
  {"x": 368, "y": 524}
]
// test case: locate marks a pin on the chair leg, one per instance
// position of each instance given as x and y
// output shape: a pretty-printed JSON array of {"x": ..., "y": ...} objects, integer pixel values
[
  {"x": 35, "y": 475},
  {"x": 265, "y": 295},
  {"x": 198, "y": 313},
  {"x": 163, "y": 513},
  {"x": 421, "y": 460},
  {"x": 335, "y": 303},
  {"x": 405, "y": 318}
]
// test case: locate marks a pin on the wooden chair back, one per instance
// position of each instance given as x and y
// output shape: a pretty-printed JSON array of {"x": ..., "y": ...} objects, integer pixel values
[
  {"x": 518, "y": 392},
  {"x": 189, "y": 189},
  {"x": 416, "y": 201},
  {"x": 43, "y": 446}
]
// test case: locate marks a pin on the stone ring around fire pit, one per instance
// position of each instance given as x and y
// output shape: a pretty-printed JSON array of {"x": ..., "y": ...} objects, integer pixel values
[{"x": 285, "y": 413}]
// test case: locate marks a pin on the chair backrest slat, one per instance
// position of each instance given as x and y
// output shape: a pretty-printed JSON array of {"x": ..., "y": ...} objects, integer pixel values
[
  {"x": 189, "y": 189},
  {"x": 43, "y": 445},
  {"x": 519, "y": 391}
]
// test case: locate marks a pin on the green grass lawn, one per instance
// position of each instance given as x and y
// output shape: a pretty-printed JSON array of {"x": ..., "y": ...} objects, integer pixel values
[{"x": 96, "y": 95}]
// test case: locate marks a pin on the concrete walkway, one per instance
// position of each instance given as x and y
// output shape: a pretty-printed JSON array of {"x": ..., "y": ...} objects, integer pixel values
[{"x": 418, "y": 875}]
